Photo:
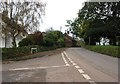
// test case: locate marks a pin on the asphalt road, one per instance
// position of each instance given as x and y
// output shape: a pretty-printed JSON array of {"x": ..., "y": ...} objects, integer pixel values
[{"x": 72, "y": 65}]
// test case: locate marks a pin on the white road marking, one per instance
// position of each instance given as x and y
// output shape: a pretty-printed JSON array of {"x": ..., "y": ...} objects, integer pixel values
[
  {"x": 86, "y": 76},
  {"x": 67, "y": 65},
  {"x": 77, "y": 67},
  {"x": 71, "y": 61},
  {"x": 69, "y": 58},
  {"x": 81, "y": 71},
  {"x": 74, "y": 64},
  {"x": 64, "y": 59},
  {"x": 66, "y": 54},
  {"x": 34, "y": 68},
  {"x": 56, "y": 66},
  {"x": 19, "y": 69}
]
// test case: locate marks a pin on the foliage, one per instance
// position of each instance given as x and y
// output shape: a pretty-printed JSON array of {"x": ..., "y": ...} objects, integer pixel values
[
  {"x": 38, "y": 38},
  {"x": 20, "y": 53},
  {"x": 48, "y": 41},
  {"x": 108, "y": 50},
  {"x": 96, "y": 20},
  {"x": 20, "y": 17},
  {"x": 12, "y": 53},
  {"x": 51, "y": 38},
  {"x": 26, "y": 41},
  {"x": 61, "y": 42},
  {"x": 32, "y": 39}
]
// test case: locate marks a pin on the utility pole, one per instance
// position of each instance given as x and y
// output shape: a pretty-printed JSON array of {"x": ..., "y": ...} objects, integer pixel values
[
  {"x": 60, "y": 31},
  {"x": 61, "y": 28}
]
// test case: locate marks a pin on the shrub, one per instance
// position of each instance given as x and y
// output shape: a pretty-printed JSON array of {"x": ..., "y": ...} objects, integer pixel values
[
  {"x": 61, "y": 42},
  {"x": 48, "y": 42},
  {"x": 26, "y": 42},
  {"x": 32, "y": 39}
]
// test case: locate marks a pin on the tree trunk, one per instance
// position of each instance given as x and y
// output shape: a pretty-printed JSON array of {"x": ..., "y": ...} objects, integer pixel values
[
  {"x": 110, "y": 42},
  {"x": 14, "y": 42},
  {"x": 92, "y": 41}
]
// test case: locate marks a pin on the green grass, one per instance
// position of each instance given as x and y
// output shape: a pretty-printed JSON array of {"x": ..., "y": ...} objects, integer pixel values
[{"x": 108, "y": 50}]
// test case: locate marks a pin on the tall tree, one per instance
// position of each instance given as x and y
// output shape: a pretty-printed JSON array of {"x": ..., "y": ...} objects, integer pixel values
[
  {"x": 21, "y": 17},
  {"x": 98, "y": 19}
]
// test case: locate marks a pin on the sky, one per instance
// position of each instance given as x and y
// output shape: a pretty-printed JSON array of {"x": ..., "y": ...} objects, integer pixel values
[{"x": 58, "y": 11}]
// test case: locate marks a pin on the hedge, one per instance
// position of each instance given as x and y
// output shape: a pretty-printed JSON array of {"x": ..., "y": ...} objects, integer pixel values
[
  {"x": 108, "y": 50},
  {"x": 14, "y": 53}
]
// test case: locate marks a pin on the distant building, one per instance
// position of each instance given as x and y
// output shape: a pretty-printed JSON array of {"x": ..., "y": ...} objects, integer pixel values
[{"x": 69, "y": 41}]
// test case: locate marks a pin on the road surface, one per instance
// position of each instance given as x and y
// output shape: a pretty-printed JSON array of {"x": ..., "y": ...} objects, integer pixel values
[{"x": 71, "y": 65}]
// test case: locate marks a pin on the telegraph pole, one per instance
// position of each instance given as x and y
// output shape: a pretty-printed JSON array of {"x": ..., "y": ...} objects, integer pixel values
[{"x": 60, "y": 31}]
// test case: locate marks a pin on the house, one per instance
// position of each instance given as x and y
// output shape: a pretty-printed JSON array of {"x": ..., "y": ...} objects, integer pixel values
[{"x": 69, "y": 41}]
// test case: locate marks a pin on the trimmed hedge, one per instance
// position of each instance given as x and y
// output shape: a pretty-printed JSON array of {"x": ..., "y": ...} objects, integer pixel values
[
  {"x": 14, "y": 53},
  {"x": 108, "y": 50},
  {"x": 8, "y": 53}
]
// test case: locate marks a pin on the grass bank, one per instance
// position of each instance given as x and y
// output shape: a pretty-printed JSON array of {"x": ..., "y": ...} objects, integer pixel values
[{"x": 108, "y": 50}]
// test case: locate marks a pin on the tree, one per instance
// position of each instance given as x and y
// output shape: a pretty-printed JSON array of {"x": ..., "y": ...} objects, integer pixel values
[
  {"x": 51, "y": 38},
  {"x": 26, "y": 42},
  {"x": 61, "y": 42},
  {"x": 21, "y": 17},
  {"x": 32, "y": 39},
  {"x": 96, "y": 20},
  {"x": 38, "y": 38}
]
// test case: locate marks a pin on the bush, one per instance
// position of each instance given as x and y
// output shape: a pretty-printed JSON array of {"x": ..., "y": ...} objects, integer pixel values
[
  {"x": 53, "y": 38},
  {"x": 61, "y": 42},
  {"x": 26, "y": 42},
  {"x": 32, "y": 39},
  {"x": 48, "y": 42}
]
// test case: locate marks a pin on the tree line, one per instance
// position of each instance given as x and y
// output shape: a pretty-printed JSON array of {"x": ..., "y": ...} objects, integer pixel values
[
  {"x": 97, "y": 20},
  {"x": 49, "y": 38}
]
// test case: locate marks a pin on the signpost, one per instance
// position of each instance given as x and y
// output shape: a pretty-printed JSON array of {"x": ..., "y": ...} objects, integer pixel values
[{"x": 33, "y": 50}]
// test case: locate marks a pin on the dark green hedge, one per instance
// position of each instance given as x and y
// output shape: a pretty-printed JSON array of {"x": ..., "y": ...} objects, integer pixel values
[
  {"x": 108, "y": 50},
  {"x": 14, "y": 53}
]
